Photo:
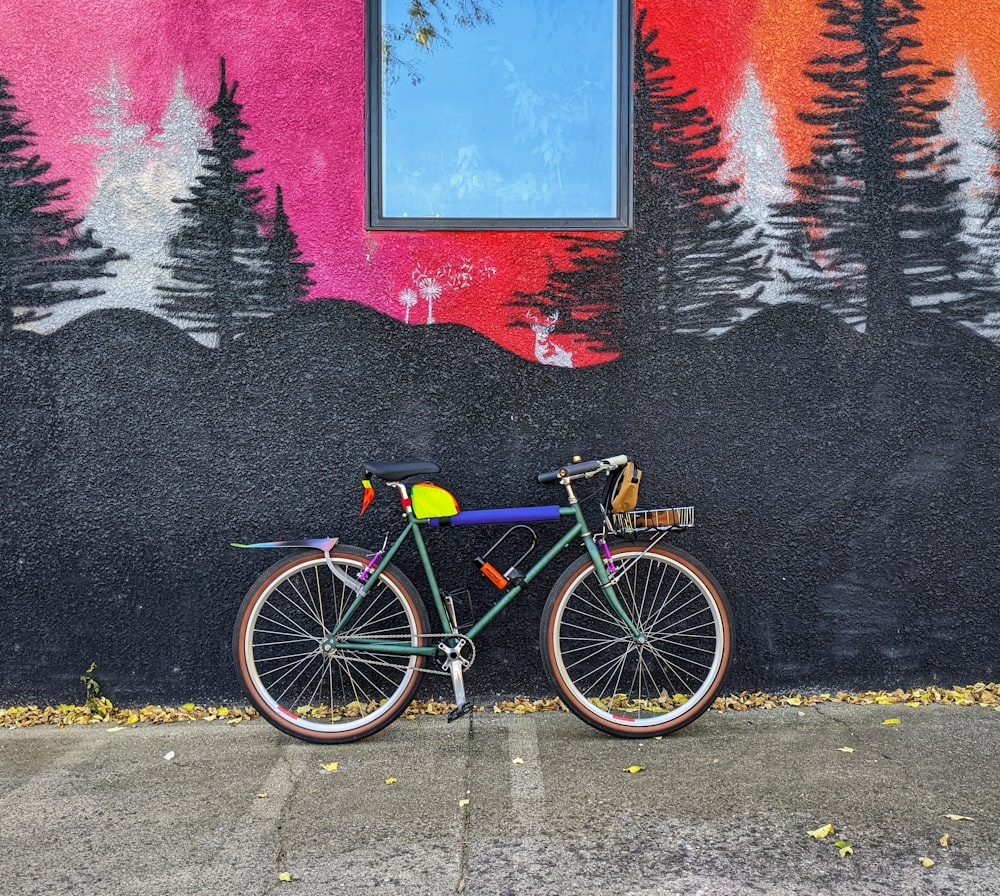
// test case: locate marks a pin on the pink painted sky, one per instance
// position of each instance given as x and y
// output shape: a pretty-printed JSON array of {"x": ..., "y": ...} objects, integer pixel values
[{"x": 300, "y": 68}]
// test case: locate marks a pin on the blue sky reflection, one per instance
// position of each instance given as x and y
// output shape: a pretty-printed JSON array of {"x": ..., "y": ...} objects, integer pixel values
[{"x": 517, "y": 119}]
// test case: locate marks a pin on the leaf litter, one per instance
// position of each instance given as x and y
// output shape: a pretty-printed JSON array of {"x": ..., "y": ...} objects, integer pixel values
[{"x": 101, "y": 710}]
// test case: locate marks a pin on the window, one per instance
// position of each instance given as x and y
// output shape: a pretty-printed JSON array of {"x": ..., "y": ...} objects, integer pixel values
[{"x": 519, "y": 122}]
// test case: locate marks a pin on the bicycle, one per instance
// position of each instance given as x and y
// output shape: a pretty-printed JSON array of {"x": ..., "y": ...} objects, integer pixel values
[{"x": 331, "y": 641}]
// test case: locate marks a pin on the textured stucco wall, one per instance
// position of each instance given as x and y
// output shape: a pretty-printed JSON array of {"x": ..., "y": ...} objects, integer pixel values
[{"x": 829, "y": 407}]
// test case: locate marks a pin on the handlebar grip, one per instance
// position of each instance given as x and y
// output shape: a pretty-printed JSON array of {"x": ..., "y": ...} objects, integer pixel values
[{"x": 570, "y": 470}]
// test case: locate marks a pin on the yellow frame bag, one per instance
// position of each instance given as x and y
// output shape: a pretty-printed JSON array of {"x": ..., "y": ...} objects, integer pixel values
[{"x": 430, "y": 501}]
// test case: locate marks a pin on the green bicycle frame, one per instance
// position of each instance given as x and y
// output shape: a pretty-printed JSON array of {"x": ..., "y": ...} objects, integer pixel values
[{"x": 413, "y": 530}]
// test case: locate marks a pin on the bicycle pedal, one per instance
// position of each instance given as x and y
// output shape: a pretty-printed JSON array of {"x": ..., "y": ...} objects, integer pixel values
[{"x": 460, "y": 711}]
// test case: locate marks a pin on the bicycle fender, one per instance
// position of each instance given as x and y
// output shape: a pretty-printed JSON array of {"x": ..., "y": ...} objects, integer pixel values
[{"x": 319, "y": 544}]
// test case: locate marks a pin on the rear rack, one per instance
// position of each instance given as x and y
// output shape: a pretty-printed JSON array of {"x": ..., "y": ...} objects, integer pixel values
[{"x": 663, "y": 519}]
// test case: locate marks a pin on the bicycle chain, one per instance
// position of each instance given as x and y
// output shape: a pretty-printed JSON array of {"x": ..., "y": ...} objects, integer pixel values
[{"x": 371, "y": 658}]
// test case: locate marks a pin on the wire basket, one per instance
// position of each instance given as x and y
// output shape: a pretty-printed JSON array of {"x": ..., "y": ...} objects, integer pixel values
[{"x": 660, "y": 520}]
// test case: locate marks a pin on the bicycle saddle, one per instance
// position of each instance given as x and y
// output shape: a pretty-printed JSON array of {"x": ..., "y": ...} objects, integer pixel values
[{"x": 395, "y": 472}]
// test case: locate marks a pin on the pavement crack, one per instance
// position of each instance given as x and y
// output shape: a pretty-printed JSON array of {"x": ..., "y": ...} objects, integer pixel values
[
  {"x": 852, "y": 732},
  {"x": 272, "y": 808},
  {"x": 464, "y": 836},
  {"x": 281, "y": 854}
]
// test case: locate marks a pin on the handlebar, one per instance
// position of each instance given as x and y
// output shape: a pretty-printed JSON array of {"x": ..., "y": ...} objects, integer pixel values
[{"x": 583, "y": 469}]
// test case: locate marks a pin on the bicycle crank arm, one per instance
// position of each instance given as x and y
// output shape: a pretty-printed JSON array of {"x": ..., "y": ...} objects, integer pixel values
[{"x": 455, "y": 664}]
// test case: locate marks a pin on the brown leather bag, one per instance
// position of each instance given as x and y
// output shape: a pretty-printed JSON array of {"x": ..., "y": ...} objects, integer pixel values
[{"x": 625, "y": 495}]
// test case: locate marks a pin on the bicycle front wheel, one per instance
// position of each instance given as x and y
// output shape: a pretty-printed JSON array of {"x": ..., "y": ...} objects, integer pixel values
[
  {"x": 645, "y": 686},
  {"x": 327, "y": 695}
]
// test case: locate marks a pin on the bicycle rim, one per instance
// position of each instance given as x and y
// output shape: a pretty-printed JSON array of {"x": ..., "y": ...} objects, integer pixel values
[
  {"x": 630, "y": 688},
  {"x": 327, "y": 695}
]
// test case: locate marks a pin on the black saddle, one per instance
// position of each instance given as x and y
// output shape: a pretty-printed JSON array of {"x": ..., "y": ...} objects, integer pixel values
[{"x": 392, "y": 471}]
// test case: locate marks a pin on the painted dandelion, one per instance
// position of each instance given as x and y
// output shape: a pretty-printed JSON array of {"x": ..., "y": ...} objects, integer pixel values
[
  {"x": 430, "y": 290},
  {"x": 408, "y": 298}
]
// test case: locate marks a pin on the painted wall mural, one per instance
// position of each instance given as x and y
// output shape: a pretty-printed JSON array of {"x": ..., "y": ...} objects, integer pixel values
[{"x": 201, "y": 341}]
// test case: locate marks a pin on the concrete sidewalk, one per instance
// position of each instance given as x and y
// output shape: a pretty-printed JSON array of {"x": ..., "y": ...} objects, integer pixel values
[{"x": 505, "y": 804}]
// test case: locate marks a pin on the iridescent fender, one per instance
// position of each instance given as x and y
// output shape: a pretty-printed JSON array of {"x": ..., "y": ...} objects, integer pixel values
[{"x": 318, "y": 544}]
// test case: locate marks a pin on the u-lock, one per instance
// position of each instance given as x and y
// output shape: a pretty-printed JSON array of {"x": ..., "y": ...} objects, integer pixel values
[{"x": 502, "y": 580}]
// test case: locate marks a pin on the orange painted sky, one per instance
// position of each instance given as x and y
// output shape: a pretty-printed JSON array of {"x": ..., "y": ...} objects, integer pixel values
[{"x": 785, "y": 35}]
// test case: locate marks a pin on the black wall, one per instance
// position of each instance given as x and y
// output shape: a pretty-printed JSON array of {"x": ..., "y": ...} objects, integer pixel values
[{"x": 846, "y": 487}]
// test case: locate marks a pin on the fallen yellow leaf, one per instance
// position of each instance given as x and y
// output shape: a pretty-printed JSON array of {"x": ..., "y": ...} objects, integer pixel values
[
  {"x": 927, "y": 863},
  {"x": 891, "y": 722},
  {"x": 846, "y": 749},
  {"x": 845, "y": 848},
  {"x": 958, "y": 817},
  {"x": 464, "y": 802},
  {"x": 331, "y": 766},
  {"x": 285, "y": 876},
  {"x": 945, "y": 840},
  {"x": 822, "y": 832},
  {"x": 518, "y": 761},
  {"x": 390, "y": 780},
  {"x": 634, "y": 769}
]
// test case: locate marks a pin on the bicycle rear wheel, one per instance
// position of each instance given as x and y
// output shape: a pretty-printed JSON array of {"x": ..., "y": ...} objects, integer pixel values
[
  {"x": 330, "y": 696},
  {"x": 646, "y": 687}
]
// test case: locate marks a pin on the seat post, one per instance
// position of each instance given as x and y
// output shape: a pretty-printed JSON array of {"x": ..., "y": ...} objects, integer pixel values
[{"x": 404, "y": 497}]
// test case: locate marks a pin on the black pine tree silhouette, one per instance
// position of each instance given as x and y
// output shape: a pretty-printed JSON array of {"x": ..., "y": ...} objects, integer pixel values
[
  {"x": 877, "y": 220},
  {"x": 690, "y": 261},
  {"x": 220, "y": 256},
  {"x": 286, "y": 279},
  {"x": 43, "y": 255}
]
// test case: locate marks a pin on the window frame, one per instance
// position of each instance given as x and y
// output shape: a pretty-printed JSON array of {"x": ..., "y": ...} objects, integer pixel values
[{"x": 375, "y": 220}]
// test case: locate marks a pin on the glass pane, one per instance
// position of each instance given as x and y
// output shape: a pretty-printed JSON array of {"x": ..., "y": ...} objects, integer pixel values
[{"x": 519, "y": 118}]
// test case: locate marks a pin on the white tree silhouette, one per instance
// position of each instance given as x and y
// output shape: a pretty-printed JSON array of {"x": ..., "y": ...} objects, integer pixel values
[
  {"x": 132, "y": 208},
  {"x": 756, "y": 160},
  {"x": 123, "y": 141},
  {"x": 182, "y": 132}
]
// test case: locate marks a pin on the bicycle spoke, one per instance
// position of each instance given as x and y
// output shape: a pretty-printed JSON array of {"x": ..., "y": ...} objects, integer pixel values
[
  {"x": 610, "y": 676},
  {"x": 317, "y": 690}
]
